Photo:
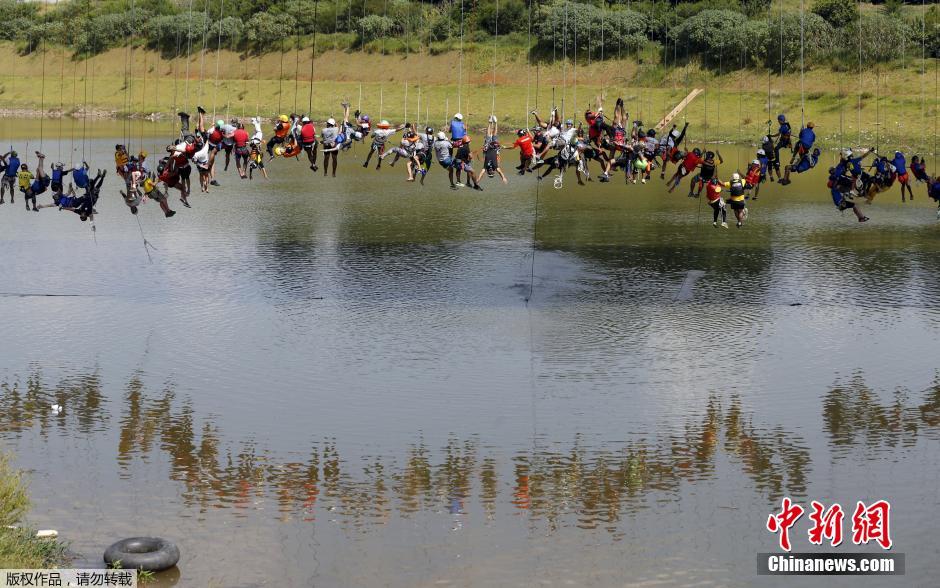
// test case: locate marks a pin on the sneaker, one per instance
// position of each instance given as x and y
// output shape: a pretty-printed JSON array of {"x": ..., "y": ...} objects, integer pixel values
[
  {"x": 458, "y": 185},
  {"x": 366, "y": 164},
  {"x": 200, "y": 110},
  {"x": 185, "y": 203},
  {"x": 170, "y": 213},
  {"x": 35, "y": 209},
  {"x": 453, "y": 186},
  {"x": 215, "y": 183},
  {"x": 864, "y": 219},
  {"x": 182, "y": 115},
  {"x": 314, "y": 168},
  {"x": 739, "y": 224},
  {"x": 724, "y": 225},
  {"x": 715, "y": 224},
  {"x": 643, "y": 180},
  {"x": 478, "y": 188}
]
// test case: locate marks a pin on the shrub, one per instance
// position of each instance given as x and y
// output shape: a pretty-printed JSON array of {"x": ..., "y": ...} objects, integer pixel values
[
  {"x": 785, "y": 48},
  {"x": 837, "y": 12},
  {"x": 511, "y": 16},
  {"x": 578, "y": 26},
  {"x": 265, "y": 28},
  {"x": 374, "y": 27}
]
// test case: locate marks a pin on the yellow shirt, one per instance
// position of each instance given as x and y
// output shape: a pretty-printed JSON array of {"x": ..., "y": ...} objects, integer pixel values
[
  {"x": 149, "y": 185},
  {"x": 26, "y": 178}
]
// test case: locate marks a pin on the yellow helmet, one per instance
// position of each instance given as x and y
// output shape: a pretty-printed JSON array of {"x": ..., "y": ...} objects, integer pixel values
[
  {"x": 279, "y": 151},
  {"x": 283, "y": 118},
  {"x": 143, "y": 153}
]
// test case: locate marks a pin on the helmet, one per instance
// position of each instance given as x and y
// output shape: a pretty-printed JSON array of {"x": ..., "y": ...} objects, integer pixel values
[
  {"x": 569, "y": 122},
  {"x": 143, "y": 154},
  {"x": 133, "y": 159},
  {"x": 365, "y": 118},
  {"x": 24, "y": 166},
  {"x": 189, "y": 139},
  {"x": 13, "y": 153},
  {"x": 847, "y": 153},
  {"x": 898, "y": 154},
  {"x": 279, "y": 150},
  {"x": 810, "y": 125},
  {"x": 764, "y": 139},
  {"x": 709, "y": 155},
  {"x": 283, "y": 118},
  {"x": 466, "y": 138},
  {"x": 331, "y": 121},
  {"x": 697, "y": 151},
  {"x": 736, "y": 176},
  {"x": 651, "y": 133},
  {"x": 755, "y": 162},
  {"x": 60, "y": 165},
  {"x": 118, "y": 147},
  {"x": 305, "y": 119},
  {"x": 761, "y": 152},
  {"x": 641, "y": 135},
  {"x": 441, "y": 136},
  {"x": 219, "y": 123},
  {"x": 781, "y": 118},
  {"x": 521, "y": 132},
  {"x": 458, "y": 116},
  {"x": 428, "y": 130},
  {"x": 384, "y": 123}
]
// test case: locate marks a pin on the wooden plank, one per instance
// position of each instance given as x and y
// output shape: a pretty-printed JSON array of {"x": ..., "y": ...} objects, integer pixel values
[{"x": 679, "y": 108}]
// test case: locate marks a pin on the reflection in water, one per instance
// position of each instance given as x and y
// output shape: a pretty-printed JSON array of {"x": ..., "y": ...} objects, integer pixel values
[
  {"x": 854, "y": 415},
  {"x": 583, "y": 485},
  {"x": 27, "y": 405}
]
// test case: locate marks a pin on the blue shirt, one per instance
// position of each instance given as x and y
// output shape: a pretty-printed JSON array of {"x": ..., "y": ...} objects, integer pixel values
[
  {"x": 839, "y": 170},
  {"x": 881, "y": 166},
  {"x": 785, "y": 128},
  {"x": 807, "y": 137},
  {"x": 935, "y": 190},
  {"x": 807, "y": 162},
  {"x": 900, "y": 163},
  {"x": 764, "y": 162},
  {"x": 457, "y": 130},
  {"x": 856, "y": 163},
  {"x": 13, "y": 166},
  {"x": 81, "y": 177}
]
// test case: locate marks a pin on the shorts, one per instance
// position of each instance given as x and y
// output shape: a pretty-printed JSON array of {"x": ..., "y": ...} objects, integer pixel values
[
  {"x": 241, "y": 152},
  {"x": 737, "y": 204},
  {"x": 378, "y": 146},
  {"x": 684, "y": 171},
  {"x": 463, "y": 166},
  {"x": 214, "y": 147},
  {"x": 156, "y": 195},
  {"x": 56, "y": 186},
  {"x": 719, "y": 203},
  {"x": 308, "y": 146},
  {"x": 9, "y": 180},
  {"x": 184, "y": 172},
  {"x": 447, "y": 162},
  {"x": 228, "y": 146},
  {"x": 904, "y": 178}
]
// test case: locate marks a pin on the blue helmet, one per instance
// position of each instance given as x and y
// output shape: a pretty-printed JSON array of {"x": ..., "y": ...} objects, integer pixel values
[{"x": 781, "y": 117}]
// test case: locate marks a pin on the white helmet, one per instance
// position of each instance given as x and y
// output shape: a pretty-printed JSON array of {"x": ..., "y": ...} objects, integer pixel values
[
  {"x": 847, "y": 153},
  {"x": 441, "y": 136},
  {"x": 458, "y": 116},
  {"x": 736, "y": 177},
  {"x": 305, "y": 119},
  {"x": 764, "y": 139},
  {"x": 755, "y": 162},
  {"x": 761, "y": 152},
  {"x": 331, "y": 121}
]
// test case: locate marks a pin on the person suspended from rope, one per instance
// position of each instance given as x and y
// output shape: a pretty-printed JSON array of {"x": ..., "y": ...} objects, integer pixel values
[
  {"x": 405, "y": 149},
  {"x": 870, "y": 185},
  {"x": 425, "y": 151},
  {"x": 671, "y": 150},
  {"x": 11, "y": 164},
  {"x": 120, "y": 159},
  {"x": 241, "y": 151},
  {"x": 152, "y": 191},
  {"x": 170, "y": 173},
  {"x": 770, "y": 153},
  {"x": 589, "y": 151},
  {"x": 203, "y": 162},
  {"x": 783, "y": 136},
  {"x": 458, "y": 130},
  {"x": 526, "y": 149},
  {"x": 132, "y": 178},
  {"x": 80, "y": 175},
  {"x": 491, "y": 151},
  {"x": 443, "y": 152},
  {"x": 84, "y": 206},
  {"x": 919, "y": 169},
  {"x": 328, "y": 136},
  {"x": 566, "y": 156},
  {"x": 552, "y": 131},
  {"x": 308, "y": 139},
  {"x": 900, "y": 166},
  {"x": 804, "y": 157},
  {"x": 39, "y": 184},
  {"x": 691, "y": 161},
  {"x": 380, "y": 136},
  {"x": 62, "y": 201},
  {"x": 642, "y": 166},
  {"x": 713, "y": 196},
  {"x": 841, "y": 187},
  {"x": 256, "y": 157},
  {"x": 282, "y": 128},
  {"x": 737, "y": 198},
  {"x": 753, "y": 178},
  {"x": 58, "y": 175},
  {"x": 708, "y": 170},
  {"x": 463, "y": 162},
  {"x": 933, "y": 191},
  {"x": 228, "y": 146}
]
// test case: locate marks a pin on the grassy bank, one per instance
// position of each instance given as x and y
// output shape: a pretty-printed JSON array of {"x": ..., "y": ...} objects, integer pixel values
[
  {"x": 893, "y": 106},
  {"x": 19, "y": 548}
]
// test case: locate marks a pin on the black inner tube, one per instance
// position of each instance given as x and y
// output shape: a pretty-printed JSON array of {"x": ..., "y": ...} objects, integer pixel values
[{"x": 151, "y": 554}]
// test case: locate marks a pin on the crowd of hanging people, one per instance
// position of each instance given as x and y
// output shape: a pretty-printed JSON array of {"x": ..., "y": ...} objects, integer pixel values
[{"x": 612, "y": 144}]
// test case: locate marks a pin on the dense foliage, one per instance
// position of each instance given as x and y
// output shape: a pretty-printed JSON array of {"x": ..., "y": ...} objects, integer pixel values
[{"x": 726, "y": 33}]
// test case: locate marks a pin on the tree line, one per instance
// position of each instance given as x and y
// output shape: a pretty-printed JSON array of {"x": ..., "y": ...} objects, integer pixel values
[{"x": 720, "y": 33}]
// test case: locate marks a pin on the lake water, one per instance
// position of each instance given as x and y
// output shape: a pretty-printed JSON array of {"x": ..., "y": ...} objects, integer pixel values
[{"x": 363, "y": 382}]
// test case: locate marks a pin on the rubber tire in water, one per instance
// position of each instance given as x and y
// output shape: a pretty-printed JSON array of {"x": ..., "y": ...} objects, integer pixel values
[{"x": 150, "y": 554}]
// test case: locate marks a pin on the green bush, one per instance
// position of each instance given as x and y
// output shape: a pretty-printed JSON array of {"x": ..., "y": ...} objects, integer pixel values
[
  {"x": 837, "y": 12},
  {"x": 783, "y": 50},
  {"x": 570, "y": 25},
  {"x": 374, "y": 27},
  {"x": 265, "y": 28},
  {"x": 502, "y": 16}
]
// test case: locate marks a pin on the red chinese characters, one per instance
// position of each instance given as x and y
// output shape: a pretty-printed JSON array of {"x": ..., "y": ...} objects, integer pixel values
[
  {"x": 827, "y": 524},
  {"x": 871, "y": 524},
  {"x": 781, "y": 522}
]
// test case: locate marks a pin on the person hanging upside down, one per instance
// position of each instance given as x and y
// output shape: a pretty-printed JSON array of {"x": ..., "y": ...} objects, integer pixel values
[
  {"x": 168, "y": 172},
  {"x": 753, "y": 178},
  {"x": 806, "y": 162},
  {"x": 380, "y": 136},
  {"x": 241, "y": 151},
  {"x": 202, "y": 159},
  {"x": 713, "y": 195},
  {"x": 900, "y": 165},
  {"x": 708, "y": 170},
  {"x": 783, "y": 136},
  {"x": 256, "y": 159},
  {"x": 39, "y": 185},
  {"x": 491, "y": 161},
  {"x": 281, "y": 130},
  {"x": 841, "y": 187},
  {"x": 933, "y": 191},
  {"x": 919, "y": 169},
  {"x": 58, "y": 175}
]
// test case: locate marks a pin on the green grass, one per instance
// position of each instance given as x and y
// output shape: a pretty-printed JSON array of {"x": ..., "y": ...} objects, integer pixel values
[
  {"x": 19, "y": 548},
  {"x": 892, "y": 105}
]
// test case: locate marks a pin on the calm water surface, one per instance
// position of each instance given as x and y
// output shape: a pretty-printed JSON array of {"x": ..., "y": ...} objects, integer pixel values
[{"x": 342, "y": 383}]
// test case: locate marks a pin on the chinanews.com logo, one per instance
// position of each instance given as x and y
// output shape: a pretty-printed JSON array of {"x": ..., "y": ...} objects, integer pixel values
[{"x": 871, "y": 525}]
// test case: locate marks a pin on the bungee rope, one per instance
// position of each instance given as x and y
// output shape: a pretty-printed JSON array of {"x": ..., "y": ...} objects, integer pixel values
[{"x": 218, "y": 57}]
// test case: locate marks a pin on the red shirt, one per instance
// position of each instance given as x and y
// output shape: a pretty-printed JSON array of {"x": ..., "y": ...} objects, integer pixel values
[
  {"x": 215, "y": 136},
  {"x": 712, "y": 191},
  {"x": 524, "y": 143},
  {"x": 308, "y": 133},
  {"x": 240, "y": 137},
  {"x": 691, "y": 161}
]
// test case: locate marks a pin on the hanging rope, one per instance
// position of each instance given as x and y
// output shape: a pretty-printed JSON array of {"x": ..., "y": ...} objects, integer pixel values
[
  {"x": 218, "y": 57},
  {"x": 205, "y": 45},
  {"x": 61, "y": 100},
  {"x": 42, "y": 98},
  {"x": 189, "y": 48},
  {"x": 459, "y": 59},
  {"x": 313, "y": 57},
  {"x": 802, "y": 66},
  {"x": 495, "y": 42}
]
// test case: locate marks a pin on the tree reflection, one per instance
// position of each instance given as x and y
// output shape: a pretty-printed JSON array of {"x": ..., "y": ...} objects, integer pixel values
[
  {"x": 577, "y": 484},
  {"x": 855, "y": 415}
]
